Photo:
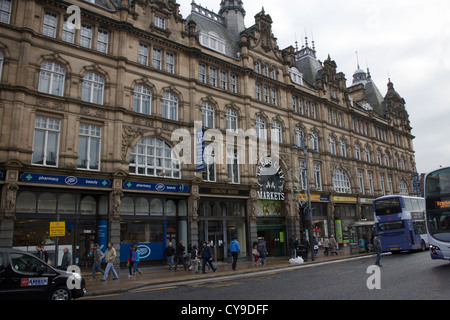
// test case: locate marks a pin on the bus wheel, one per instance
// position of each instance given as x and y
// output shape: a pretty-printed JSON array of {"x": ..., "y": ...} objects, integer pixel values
[{"x": 424, "y": 246}]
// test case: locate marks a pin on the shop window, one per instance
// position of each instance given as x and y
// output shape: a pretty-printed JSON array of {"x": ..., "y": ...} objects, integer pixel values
[
  {"x": 182, "y": 209},
  {"x": 171, "y": 208},
  {"x": 88, "y": 205},
  {"x": 156, "y": 207},
  {"x": 103, "y": 205},
  {"x": 66, "y": 204},
  {"x": 141, "y": 206},
  {"x": 127, "y": 206},
  {"x": 47, "y": 203},
  {"x": 26, "y": 202}
]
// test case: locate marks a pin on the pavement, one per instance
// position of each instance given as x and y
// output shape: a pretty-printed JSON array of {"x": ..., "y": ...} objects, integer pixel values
[{"x": 161, "y": 275}]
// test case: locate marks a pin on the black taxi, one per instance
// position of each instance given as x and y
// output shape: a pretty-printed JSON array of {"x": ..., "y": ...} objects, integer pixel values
[{"x": 24, "y": 276}]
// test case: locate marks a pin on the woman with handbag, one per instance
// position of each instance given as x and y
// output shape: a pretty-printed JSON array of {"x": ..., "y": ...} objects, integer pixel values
[{"x": 255, "y": 253}]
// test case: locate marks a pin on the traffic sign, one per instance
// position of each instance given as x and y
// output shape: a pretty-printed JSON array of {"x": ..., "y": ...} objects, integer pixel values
[{"x": 57, "y": 229}]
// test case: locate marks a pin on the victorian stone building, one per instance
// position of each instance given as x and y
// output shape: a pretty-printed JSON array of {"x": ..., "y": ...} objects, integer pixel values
[{"x": 130, "y": 123}]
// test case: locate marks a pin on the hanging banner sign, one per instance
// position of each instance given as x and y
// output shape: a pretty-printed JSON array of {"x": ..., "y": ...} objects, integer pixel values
[{"x": 66, "y": 180}]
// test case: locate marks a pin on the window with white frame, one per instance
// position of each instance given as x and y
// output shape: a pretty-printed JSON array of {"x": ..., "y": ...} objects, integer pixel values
[
  {"x": 317, "y": 177},
  {"x": 386, "y": 159},
  {"x": 314, "y": 142},
  {"x": 89, "y": 147},
  {"x": 266, "y": 94},
  {"x": 213, "y": 76},
  {"x": 299, "y": 136},
  {"x": 233, "y": 165},
  {"x": 154, "y": 157},
  {"x": 361, "y": 181},
  {"x": 5, "y": 11},
  {"x": 332, "y": 146},
  {"x": 143, "y": 53},
  {"x": 390, "y": 186},
  {"x": 403, "y": 188},
  {"x": 223, "y": 80},
  {"x": 46, "y": 141},
  {"x": 50, "y": 24},
  {"x": 258, "y": 91},
  {"x": 277, "y": 133},
  {"x": 142, "y": 99},
  {"x": 102, "y": 40},
  {"x": 231, "y": 120},
  {"x": 202, "y": 73},
  {"x": 257, "y": 67},
  {"x": 92, "y": 88},
  {"x": 341, "y": 182},
  {"x": 170, "y": 62},
  {"x": 86, "y": 36},
  {"x": 302, "y": 174},
  {"x": 296, "y": 76},
  {"x": 207, "y": 115},
  {"x": 157, "y": 58},
  {"x": 343, "y": 148},
  {"x": 212, "y": 41},
  {"x": 209, "y": 174},
  {"x": 160, "y": 22},
  {"x": 357, "y": 152},
  {"x": 260, "y": 128},
  {"x": 367, "y": 152},
  {"x": 233, "y": 83},
  {"x": 383, "y": 189},
  {"x": 274, "y": 97},
  {"x": 370, "y": 180},
  {"x": 68, "y": 35},
  {"x": 170, "y": 106},
  {"x": 51, "y": 79}
]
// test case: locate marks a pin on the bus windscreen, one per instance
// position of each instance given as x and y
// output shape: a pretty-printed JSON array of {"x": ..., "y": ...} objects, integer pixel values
[{"x": 388, "y": 206}]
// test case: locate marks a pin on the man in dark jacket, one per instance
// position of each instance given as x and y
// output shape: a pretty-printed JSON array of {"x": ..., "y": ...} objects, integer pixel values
[
  {"x": 207, "y": 257},
  {"x": 170, "y": 252},
  {"x": 179, "y": 253}
]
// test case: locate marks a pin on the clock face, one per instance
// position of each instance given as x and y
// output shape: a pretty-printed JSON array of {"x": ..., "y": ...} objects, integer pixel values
[{"x": 270, "y": 176}]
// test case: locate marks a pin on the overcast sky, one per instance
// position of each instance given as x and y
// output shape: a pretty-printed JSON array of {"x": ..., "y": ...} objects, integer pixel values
[{"x": 406, "y": 40}]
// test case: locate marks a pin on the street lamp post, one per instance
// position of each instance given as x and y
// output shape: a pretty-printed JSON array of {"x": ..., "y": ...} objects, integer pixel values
[{"x": 304, "y": 146}]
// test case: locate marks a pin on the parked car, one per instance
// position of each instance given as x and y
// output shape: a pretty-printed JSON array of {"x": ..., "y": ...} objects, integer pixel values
[{"x": 24, "y": 276}]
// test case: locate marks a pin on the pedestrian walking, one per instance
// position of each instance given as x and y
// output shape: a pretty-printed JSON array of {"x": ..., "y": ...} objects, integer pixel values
[
  {"x": 377, "y": 247},
  {"x": 262, "y": 249},
  {"x": 110, "y": 257},
  {"x": 255, "y": 252},
  {"x": 194, "y": 258},
  {"x": 326, "y": 246},
  {"x": 97, "y": 261},
  {"x": 66, "y": 259},
  {"x": 130, "y": 261},
  {"x": 207, "y": 257},
  {"x": 179, "y": 255},
  {"x": 333, "y": 245},
  {"x": 235, "y": 249},
  {"x": 170, "y": 252},
  {"x": 135, "y": 260}
]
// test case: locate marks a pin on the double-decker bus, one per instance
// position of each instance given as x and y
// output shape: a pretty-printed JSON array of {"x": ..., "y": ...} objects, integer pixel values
[
  {"x": 400, "y": 220},
  {"x": 437, "y": 196}
]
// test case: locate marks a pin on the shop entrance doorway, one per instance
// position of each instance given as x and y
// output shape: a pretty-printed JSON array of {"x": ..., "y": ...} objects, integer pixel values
[{"x": 275, "y": 238}]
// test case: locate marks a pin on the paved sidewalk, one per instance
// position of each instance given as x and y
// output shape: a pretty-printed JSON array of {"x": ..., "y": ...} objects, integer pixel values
[{"x": 162, "y": 275}]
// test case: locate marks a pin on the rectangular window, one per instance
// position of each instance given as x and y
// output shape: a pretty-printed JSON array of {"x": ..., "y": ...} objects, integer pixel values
[
  {"x": 170, "y": 62},
  {"x": 46, "y": 141},
  {"x": 233, "y": 83},
  {"x": 317, "y": 177},
  {"x": 143, "y": 54},
  {"x": 50, "y": 23},
  {"x": 223, "y": 80},
  {"x": 89, "y": 143},
  {"x": 233, "y": 166},
  {"x": 160, "y": 22},
  {"x": 86, "y": 36},
  {"x": 68, "y": 35},
  {"x": 5, "y": 11},
  {"x": 157, "y": 58},
  {"x": 201, "y": 73},
  {"x": 102, "y": 40},
  {"x": 213, "y": 76}
]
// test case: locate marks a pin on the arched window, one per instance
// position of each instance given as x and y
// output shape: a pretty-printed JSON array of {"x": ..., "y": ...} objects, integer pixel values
[
  {"x": 127, "y": 206},
  {"x": 66, "y": 204},
  {"x": 47, "y": 203},
  {"x": 170, "y": 106},
  {"x": 156, "y": 207},
  {"x": 142, "y": 206},
  {"x": 154, "y": 157},
  {"x": 403, "y": 188},
  {"x": 51, "y": 79},
  {"x": 260, "y": 128},
  {"x": 88, "y": 205},
  {"x": 341, "y": 183},
  {"x": 142, "y": 99},
  {"x": 332, "y": 146},
  {"x": 26, "y": 202},
  {"x": 93, "y": 88},
  {"x": 171, "y": 208}
]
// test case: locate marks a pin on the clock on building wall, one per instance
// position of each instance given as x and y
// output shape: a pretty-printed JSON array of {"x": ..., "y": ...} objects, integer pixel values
[{"x": 270, "y": 180}]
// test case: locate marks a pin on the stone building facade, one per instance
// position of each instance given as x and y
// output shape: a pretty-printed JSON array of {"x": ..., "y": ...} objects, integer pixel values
[{"x": 107, "y": 107}]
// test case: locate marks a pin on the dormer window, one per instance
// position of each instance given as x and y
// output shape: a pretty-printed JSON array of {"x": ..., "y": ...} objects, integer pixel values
[
  {"x": 296, "y": 76},
  {"x": 212, "y": 41},
  {"x": 160, "y": 22}
]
